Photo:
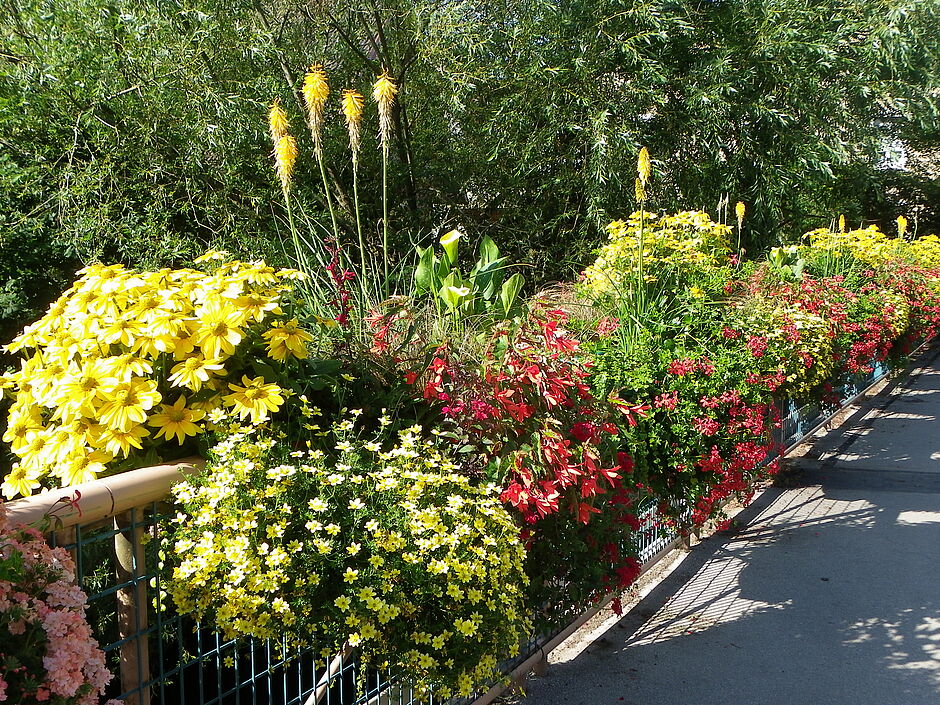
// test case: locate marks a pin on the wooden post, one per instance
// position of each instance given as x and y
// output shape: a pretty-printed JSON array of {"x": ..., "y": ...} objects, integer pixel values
[
  {"x": 132, "y": 610},
  {"x": 334, "y": 669}
]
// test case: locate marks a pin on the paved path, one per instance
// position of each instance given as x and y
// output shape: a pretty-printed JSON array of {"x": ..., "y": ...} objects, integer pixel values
[{"x": 829, "y": 594}]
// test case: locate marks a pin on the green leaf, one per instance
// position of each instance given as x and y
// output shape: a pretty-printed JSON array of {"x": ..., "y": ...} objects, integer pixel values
[
  {"x": 510, "y": 292},
  {"x": 425, "y": 271},
  {"x": 488, "y": 277},
  {"x": 488, "y": 250}
]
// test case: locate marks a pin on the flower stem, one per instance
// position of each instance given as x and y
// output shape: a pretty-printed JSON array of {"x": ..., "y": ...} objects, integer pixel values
[
  {"x": 362, "y": 244},
  {"x": 385, "y": 218}
]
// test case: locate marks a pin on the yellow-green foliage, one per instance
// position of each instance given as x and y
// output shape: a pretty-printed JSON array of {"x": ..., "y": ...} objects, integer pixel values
[
  {"x": 127, "y": 361},
  {"x": 389, "y": 551},
  {"x": 689, "y": 239},
  {"x": 898, "y": 308},
  {"x": 792, "y": 334}
]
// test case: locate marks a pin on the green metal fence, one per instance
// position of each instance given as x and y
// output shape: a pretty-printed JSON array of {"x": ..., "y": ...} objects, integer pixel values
[{"x": 158, "y": 656}]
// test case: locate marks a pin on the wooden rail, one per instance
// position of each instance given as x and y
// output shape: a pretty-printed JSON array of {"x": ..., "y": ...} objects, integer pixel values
[{"x": 103, "y": 498}]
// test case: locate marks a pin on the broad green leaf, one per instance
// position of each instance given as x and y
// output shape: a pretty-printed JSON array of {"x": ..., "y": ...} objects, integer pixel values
[
  {"x": 510, "y": 292},
  {"x": 424, "y": 272},
  {"x": 488, "y": 250}
]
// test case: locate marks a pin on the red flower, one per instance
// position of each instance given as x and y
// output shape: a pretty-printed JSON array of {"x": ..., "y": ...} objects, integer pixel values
[
  {"x": 585, "y": 431},
  {"x": 757, "y": 345},
  {"x": 584, "y": 511},
  {"x": 628, "y": 572}
]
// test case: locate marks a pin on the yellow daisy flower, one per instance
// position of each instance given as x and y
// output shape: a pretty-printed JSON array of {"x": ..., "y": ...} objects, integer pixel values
[
  {"x": 127, "y": 404},
  {"x": 177, "y": 420},
  {"x": 84, "y": 467},
  {"x": 122, "y": 332},
  {"x": 119, "y": 443},
  {"x": 219, "y": 332},
  {"x": 127, "y": 365},
  {"x": 286, "y": 339},
  {"x": 193, "y": 372},
  {"x": 20, "y": 481},
  {"x": 21, "y": 421},
  {"x": 255, "y": 305},
  {"x": 255, "y": 399}
]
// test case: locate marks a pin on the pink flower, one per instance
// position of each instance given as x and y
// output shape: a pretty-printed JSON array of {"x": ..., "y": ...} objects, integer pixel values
[
  {"x": 668, "y": 400},
  {"x": 45, "y": 598},
  {"x": 706, "y": 426},
  {"x": 607, "y": 325},
  {"x": 757, "y": 345},
  {"x": 680, "y": 368}
]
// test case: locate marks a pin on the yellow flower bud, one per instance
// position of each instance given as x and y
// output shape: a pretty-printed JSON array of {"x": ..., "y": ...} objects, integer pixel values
[
  {"x": 902, "y": 225},
  {"x": 643, "y": 165}
]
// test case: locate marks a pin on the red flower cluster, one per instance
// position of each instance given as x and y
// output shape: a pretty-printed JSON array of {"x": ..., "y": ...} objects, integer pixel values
[
  {"x": 339, "y": 277},
  {"x": 757, "y": 345},
  {"x": 687, "y": 366},
  {"x": 528, "y": 411}
]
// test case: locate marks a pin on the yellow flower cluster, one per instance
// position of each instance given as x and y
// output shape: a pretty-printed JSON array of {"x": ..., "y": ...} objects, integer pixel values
[
  {"x": 688, "y": 238},
  {"x": 925, "y": 251},
  {"x": 125, "y": 361},
  {"x": 868, "y": 245},
  {"x": 388, "y": 551},
  {"x": 874, "y": 247}
]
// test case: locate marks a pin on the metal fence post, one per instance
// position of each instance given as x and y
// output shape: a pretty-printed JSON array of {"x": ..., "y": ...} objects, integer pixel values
[{"x": 132, "y": 609}]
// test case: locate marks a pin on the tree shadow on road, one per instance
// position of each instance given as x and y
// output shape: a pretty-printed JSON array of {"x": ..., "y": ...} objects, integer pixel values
[{"x": 827, "y": 595}]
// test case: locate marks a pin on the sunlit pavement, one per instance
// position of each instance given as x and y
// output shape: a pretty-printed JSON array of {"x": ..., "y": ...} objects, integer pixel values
[{"x": 830, "y": 593}]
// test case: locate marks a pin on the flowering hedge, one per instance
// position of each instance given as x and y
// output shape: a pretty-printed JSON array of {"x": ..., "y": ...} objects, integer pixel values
[
  {"x": 388, "y": 550},
  {"x": 790, "y": 327},
  {"x": 503, "y": 481}
]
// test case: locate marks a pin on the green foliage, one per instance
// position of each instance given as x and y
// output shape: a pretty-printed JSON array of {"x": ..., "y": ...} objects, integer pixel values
[
  {"x": 485, "y": 292},
  {"x": 139, "y": 127}
]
